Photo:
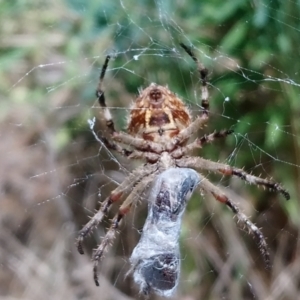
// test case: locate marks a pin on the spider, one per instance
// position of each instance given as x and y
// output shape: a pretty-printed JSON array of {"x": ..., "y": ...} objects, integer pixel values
[{"x": 159, "y": 128}]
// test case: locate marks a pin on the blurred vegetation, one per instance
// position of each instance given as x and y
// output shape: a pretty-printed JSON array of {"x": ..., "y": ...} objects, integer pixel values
[{"x": 54, "y": 172}]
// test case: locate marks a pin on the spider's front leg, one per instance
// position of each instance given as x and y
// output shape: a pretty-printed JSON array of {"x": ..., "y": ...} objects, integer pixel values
[
  {"x": 101, "y": 98},
  {"x": 203, "y": 72},
  {"x": 120, "y": 137},
  {"x": 107, "y": 115},
  {"x": 201, "y": 120}
]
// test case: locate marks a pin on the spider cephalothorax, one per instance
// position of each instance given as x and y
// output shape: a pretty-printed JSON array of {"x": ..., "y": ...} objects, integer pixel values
[{"x": 159, "y": 128}]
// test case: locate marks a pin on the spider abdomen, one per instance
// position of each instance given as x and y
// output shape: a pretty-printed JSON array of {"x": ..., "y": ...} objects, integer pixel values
[{"x": 157, "y": 113}]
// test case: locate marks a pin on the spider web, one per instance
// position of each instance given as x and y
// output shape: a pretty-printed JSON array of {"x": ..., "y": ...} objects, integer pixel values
[{"x": 54, "y": 171}]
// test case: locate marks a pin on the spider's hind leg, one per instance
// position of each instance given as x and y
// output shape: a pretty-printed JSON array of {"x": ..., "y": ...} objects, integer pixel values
[
  {"x": 253, "y": 229},
  {"x": 116, "y": 221},
  {"x": 114, "y": 196}
]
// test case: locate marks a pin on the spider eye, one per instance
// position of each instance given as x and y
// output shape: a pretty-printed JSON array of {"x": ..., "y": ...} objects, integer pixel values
[{"x": 155, "y": 95}]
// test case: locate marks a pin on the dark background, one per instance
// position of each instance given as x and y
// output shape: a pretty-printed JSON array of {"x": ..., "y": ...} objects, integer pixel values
[{"x": 54, "y": 172}]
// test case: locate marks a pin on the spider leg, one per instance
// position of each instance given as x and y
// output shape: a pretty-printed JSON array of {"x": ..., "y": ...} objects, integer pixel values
[
  {"x": 253, "y": 229},
  {"x": 186, "y": 133},
  {"x": 116, "y": 221},
  {"x": 131, "y": 154},
  {"x": 149, "y": 156},
  {"x": 121, "y": 137},
  {"x": 114, "y": 196},
  {"x": 200, "y": 163},
  {"x": 108, "y": 118},
  {"x": 211, "y": 137},
  {"x": 101, "y": 98},
  {"x": 199, "y": 142},
  {"x": 138, "y": 143},
  {"x": 203, "y": 118},
  {"x": 114, "y": 146},
  {"x": 203, "y": 72}
]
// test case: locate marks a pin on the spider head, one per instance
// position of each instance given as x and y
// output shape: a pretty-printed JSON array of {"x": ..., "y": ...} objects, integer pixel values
[{"x": 158, "y": 113}]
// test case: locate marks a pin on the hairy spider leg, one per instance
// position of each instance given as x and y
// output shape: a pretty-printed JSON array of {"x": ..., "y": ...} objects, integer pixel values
[
  {"x": 199, "y": 142},
  {"x": 203, "y": 72},
  {"x": 201, "y": 120},
  {"x": 204, "y": 164},
  {"x": 101, "y": 98},
  {"x": 253, "y": 229},
  {"x": 116, "y": 221},
  {"x": 114, "y": 196},
  {"x": 121, "y": 137}
]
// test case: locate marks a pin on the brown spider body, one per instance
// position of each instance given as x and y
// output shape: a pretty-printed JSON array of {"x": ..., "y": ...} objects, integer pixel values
[
  {"x": 159, "y": 128},
  {"x": 158, "y": 115}
]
